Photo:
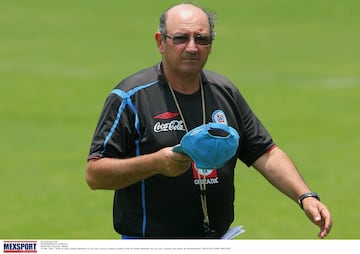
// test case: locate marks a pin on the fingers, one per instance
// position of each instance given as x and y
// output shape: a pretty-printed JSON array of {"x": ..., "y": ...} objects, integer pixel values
[
  {"x": 319, "y": 215},
  {"x": 325, "y": 222},
  {"x": 173, "y": 163}
]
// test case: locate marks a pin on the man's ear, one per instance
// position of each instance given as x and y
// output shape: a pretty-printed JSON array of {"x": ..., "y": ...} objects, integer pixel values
[{"x": 159, "y": 41}]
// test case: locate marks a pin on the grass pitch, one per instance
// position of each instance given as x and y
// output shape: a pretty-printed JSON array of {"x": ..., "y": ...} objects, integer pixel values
[{"x": 296, "y": 62}]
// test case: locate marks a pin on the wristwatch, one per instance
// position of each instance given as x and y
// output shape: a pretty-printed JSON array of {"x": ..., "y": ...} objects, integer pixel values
[{"x": 306, "y": 195}]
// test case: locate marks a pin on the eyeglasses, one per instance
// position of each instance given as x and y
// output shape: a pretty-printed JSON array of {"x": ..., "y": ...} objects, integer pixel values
[{"x": 182, "y": 39}]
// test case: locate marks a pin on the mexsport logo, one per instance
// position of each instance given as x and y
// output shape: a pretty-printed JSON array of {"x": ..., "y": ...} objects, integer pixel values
[{"x": 20, "y": 246}]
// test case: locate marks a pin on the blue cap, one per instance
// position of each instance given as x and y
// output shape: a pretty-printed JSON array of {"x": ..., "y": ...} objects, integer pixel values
[{"x": 209, "y": 145}]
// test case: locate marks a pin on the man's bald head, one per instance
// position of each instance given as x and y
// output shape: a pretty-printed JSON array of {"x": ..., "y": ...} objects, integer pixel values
[{"x": 186, "y": 9}]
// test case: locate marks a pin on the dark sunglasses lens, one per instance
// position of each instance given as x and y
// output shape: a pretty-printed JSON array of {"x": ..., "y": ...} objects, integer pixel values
[
  {"x": 203, "y": 40},
  {"x": 180, "y": 39}
]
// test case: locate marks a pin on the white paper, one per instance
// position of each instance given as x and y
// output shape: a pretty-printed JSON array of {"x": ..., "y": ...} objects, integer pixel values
[{"x": 233, "y": 232}]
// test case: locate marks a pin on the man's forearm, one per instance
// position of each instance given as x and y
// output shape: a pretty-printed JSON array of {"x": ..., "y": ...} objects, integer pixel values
[
  {"x": 281, "y": 172},
  {"x": 112, "y": 174}
]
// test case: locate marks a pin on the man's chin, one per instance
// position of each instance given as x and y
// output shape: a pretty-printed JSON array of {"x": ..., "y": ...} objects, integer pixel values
[
  {"x": 191, "y": 65},
  {"x": 191, "y": 70}
]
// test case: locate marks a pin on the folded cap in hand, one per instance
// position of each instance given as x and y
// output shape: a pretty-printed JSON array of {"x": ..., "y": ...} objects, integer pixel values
[{"x": 209, "y": 145}]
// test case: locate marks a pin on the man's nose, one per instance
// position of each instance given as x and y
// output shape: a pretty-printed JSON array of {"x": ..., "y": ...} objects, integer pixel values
[{"x": 191, "y": 46}]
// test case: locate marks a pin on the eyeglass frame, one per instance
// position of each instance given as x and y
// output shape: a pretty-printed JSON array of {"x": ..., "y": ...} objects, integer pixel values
[{"x": 188, "y": 38}]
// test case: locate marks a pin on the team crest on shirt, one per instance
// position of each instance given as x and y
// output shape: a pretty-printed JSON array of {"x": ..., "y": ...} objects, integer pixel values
[
  {"x": 218, "y": 116},
  {"x": 209, "y": 176}
]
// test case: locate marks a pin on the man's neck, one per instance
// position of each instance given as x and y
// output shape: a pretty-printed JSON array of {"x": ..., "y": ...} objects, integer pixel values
[{"x": 185, "y": 84}]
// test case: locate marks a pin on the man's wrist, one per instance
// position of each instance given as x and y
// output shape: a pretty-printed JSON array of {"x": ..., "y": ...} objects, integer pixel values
[{"x": 307, "y": 195}]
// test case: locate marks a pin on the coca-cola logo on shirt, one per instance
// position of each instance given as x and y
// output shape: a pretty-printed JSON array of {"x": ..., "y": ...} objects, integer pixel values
[
  {"x": 174, "y": 125},
  {"x": 168, "y": 125}
]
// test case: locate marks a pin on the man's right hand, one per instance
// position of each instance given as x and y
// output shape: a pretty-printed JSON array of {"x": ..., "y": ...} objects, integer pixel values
[{"x": 173, "y": 163}]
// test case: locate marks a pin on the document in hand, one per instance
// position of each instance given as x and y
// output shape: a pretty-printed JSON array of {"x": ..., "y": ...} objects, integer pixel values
[{"x": 233, "y": 232}]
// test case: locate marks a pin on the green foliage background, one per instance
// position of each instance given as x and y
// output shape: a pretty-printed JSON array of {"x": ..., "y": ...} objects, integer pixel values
[{"x": 296, "y": 62}]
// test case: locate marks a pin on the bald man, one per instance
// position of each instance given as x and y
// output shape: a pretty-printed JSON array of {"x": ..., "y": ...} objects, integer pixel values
[{"x": 160, "y": 193}]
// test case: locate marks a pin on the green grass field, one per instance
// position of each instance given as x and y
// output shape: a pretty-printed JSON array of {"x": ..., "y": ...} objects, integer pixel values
[{"x": 296, "y": 62}]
